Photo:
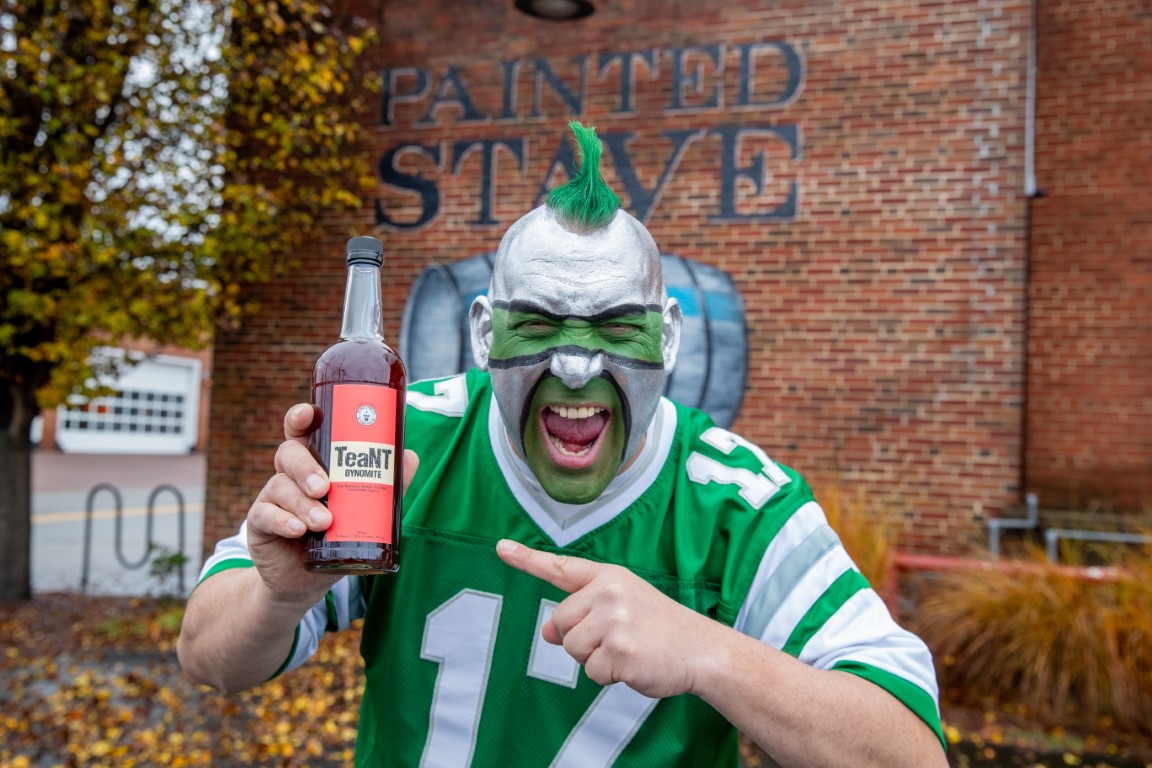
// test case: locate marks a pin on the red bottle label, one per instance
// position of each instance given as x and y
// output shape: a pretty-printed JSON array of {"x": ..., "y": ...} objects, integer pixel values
[{"x": 361, "y": 464}]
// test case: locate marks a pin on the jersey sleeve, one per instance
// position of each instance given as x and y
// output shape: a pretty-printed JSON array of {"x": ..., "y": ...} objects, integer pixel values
[
  {"x": 788, "y": 578},
  {"x": 809, "y": 600},
  {"x": 343, "y": 604}
]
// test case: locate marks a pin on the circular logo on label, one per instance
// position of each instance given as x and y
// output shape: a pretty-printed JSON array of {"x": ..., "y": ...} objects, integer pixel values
[{"x": 366, "y": 415}]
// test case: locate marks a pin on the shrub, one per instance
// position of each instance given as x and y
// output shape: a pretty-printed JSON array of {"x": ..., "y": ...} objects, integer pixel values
[
  {"x": 867, "y": 531},
  {"x": 1068, "y": 648}
]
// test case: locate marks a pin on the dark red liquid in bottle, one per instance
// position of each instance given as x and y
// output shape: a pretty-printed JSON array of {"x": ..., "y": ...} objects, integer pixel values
[{"x": 357, "y": 361}]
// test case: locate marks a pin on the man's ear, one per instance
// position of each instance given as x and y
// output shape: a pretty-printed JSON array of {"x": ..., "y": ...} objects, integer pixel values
[
  {"x": 670, "y": 333},
  {"x": 480, "y": 323}
]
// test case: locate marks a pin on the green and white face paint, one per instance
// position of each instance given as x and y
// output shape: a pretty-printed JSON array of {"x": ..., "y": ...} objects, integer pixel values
[{"x": 579, "y": 336}]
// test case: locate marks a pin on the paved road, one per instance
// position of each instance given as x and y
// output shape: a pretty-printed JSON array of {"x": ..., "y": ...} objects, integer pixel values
[{"x": 62, "y": 492}]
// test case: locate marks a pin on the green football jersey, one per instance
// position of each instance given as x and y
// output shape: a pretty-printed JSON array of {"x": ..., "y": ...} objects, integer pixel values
[{"x": 457, "y": 671}]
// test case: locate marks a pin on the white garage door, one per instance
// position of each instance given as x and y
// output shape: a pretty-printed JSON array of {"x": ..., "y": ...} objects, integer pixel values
[{"x": 155, "y": 409}]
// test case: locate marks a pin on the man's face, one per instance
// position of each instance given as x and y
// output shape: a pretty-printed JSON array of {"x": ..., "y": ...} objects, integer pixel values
[{"x": 577, "y": 350}]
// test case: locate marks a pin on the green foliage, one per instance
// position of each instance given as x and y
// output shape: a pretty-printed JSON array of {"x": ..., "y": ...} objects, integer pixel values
[
  {"x": 166, "y": 566},
  {"x": 156, "y": 156},
  {"x": 1067, "y": 648},
  {"x": 116, "y": 628}
]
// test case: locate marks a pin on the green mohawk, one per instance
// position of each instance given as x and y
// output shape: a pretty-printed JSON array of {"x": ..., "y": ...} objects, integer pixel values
[{"x": 585, "y": 201}]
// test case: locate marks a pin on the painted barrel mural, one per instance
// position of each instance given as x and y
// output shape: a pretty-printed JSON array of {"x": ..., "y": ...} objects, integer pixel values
[{"x": 711, "y": 370}]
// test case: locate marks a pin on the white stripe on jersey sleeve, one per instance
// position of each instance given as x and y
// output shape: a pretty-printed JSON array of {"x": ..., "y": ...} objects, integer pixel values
[
  {"x": 801, "y": 562},
  {"x": 818, "y": 576},
  {"x": 801, "y": 525},
  {"x": 863, "y": 630},
  {"x": 794, "y": 573},
  {"x": 310, "y": 630},
  {"x": 234, "y": 547}
]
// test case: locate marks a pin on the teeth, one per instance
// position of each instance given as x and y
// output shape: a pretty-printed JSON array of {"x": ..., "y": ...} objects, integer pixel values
[
  {"x": 574, "y": 412},
  {"x": 562, "y": 449}
]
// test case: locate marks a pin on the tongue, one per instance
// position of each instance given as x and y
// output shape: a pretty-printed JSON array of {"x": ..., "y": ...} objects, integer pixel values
[{"x": 575, "y": 431}]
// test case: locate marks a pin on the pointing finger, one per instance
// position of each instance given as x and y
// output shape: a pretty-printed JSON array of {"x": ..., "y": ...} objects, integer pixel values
[{"x": 568, "y": 573}]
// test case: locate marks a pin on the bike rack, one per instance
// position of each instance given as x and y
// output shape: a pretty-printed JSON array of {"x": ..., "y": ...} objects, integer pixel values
[{"x": 149, "y": 519}]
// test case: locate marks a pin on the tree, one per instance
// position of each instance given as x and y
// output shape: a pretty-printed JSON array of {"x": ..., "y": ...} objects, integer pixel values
[{"x": 156, "y": 156}]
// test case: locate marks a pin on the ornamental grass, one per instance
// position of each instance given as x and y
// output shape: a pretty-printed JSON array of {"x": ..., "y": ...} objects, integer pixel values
[
  {"x": 867, "y": 530},
  {"x": 1067, "y": 648}
]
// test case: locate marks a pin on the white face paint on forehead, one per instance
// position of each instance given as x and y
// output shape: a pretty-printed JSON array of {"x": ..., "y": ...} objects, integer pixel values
[
  {"x": 578, "y": 274},
  {"x": 542, "y": 267}
]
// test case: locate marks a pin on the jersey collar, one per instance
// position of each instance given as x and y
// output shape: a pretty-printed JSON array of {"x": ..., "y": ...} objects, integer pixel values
[{"x": 565, "y": 523}]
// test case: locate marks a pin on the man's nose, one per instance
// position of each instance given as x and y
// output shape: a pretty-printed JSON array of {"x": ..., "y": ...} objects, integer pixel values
[{"x": 576, "y": 368}]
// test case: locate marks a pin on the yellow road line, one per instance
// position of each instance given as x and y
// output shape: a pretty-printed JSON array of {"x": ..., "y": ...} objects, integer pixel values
[{"x": 110, "y": 514}]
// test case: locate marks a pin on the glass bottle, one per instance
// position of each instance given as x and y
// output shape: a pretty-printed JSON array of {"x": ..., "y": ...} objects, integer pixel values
[{"x": 358, "y": 385}]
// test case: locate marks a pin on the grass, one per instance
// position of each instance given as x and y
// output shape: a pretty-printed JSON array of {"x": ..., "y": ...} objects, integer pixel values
[
  {"x": 1065, "y": 648},
  {"x": 866, "y": 529},
  {"x": 1036, "y": 667}
]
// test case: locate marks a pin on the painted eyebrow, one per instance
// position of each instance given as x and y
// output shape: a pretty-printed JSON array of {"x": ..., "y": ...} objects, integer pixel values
[{"x": 613, "y": 313}]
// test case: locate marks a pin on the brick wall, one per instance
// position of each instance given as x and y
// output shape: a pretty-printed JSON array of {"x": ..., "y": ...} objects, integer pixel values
[
  {"x": 856, "y": 167},
  {"x": 1090, "y": 332}
]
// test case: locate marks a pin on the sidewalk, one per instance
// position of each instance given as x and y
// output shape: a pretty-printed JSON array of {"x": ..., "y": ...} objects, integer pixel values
[{"x": 66, "y": 487}]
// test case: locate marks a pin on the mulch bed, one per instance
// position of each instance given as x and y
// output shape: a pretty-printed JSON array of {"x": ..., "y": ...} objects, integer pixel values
[{"x": 94, "y": 681}]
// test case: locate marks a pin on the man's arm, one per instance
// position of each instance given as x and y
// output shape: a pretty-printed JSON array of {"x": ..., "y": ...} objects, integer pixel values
[
  {"x": 237, "y": 632},
  {"x": 624, "y": 630},
  {"x": 804, "y": 716},
  {"x": 239, "y": 624}
]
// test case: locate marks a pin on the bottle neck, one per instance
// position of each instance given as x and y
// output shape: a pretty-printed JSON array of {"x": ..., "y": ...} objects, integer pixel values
[{"x": 362, "y": 304}]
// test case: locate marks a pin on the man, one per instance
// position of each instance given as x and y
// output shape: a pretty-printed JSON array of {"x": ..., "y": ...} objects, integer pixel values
[{"x": 591, "y": 574}]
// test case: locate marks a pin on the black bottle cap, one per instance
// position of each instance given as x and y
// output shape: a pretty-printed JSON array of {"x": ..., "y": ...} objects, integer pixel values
[{"x": 365, "y": 250}]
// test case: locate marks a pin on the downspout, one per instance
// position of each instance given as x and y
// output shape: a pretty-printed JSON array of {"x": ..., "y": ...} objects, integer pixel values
[{"x": 1031, "y": 192}]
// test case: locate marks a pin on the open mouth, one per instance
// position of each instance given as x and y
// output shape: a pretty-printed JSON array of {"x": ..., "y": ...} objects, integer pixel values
[{"x": 574, "y": 433}]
